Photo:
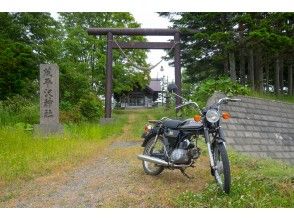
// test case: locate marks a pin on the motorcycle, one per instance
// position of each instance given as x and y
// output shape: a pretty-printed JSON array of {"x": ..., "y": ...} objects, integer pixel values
[{"x": 172, "y": 143}]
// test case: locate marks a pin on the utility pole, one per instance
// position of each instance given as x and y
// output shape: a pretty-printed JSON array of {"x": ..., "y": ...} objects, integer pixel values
[{"x": 162, "y": 84}]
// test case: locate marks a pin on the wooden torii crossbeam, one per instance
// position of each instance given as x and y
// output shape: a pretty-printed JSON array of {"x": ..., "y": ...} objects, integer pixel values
[{"x": 137, "y": 45}]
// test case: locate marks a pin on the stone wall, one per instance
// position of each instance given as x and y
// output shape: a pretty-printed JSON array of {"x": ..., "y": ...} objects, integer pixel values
[{"x": 260, "y": 127}]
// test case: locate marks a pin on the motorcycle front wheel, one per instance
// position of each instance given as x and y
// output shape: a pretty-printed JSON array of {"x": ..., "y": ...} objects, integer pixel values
[
  {"x": 222, "y": 173},
  {"x": 152, "y": 149}
]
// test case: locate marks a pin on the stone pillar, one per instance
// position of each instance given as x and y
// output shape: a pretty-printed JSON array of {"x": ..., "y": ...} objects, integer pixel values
[{"x": 49, "y": 100}]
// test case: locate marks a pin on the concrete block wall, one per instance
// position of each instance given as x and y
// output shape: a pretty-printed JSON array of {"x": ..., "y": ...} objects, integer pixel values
[{"x": 259, "y": 127}]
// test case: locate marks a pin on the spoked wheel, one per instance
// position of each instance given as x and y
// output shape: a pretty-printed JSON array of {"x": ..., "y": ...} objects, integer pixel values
[
  {"x": 222, "y": 173},
  {"x": 152, "y": 149}
]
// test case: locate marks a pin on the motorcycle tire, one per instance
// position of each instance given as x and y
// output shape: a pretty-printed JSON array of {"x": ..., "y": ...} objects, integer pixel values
[
  {"x": 222, "y": 173},
  {"x": 151, "y": 168}
]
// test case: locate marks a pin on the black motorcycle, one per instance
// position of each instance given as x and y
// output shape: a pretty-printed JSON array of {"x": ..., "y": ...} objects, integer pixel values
[{"x": 173, "y": 143}]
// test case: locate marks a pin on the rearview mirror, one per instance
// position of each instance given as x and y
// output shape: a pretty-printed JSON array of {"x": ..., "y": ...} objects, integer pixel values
[{"x": 172, "y": 88}]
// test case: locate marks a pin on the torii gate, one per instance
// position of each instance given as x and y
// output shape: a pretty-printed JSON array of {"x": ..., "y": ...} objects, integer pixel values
[{"x": 137, "y": 45}]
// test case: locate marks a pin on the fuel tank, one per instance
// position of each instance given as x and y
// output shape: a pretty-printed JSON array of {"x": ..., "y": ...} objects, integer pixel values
[{"x": 191, "y": 125}]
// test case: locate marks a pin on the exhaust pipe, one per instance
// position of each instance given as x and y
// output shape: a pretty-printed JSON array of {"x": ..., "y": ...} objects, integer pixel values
[{"x": 153, "y": 160}]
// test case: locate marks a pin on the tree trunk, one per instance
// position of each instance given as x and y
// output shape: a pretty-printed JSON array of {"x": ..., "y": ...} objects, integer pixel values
[
  {"x": 281, "y": 75},
  {"x": 242, "y": 67},
  {"x": 267, "y": 75},
  {"x": 290, "y": 80},
  {"x": 258, "y": 71},
  {"x": 277, "y": 76},
  {"x": 251, "y": 69},
  {"x": 226, "y": 66},
  {"x": 232, "y": 66}
]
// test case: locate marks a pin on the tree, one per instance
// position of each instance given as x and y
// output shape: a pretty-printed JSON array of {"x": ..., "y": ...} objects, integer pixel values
[
  {"x": 87, "y": 53},
  {"x": 253, "y": 39},
  {"x": 28, "y": 39},
  {"x": 24, "y": 44}
]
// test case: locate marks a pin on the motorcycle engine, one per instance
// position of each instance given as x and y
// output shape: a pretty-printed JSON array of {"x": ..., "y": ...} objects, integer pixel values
[{"x": 184, "y": 153}]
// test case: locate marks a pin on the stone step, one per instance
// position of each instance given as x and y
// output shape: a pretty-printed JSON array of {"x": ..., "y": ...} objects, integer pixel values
[
  {"x": 260, "y": 147},
  {"x": 282, "y": 109},
  {"x": 260, "y": 115},
  {"x": 261, "y": 124},
  {"x": 262, "y": 102},
  {"x": 281, "y": 157},
  {"x": 260, "y": 127},
  {"x": 257, "y": 134},
  {"x": 254, "y": 141}
]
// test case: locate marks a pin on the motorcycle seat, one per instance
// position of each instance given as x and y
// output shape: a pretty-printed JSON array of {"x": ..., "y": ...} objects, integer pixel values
[{"x": 172, "y": 123}]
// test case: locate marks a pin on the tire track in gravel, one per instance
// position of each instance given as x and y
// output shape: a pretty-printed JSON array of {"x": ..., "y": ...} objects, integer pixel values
[{"x": 113, "y": 179}]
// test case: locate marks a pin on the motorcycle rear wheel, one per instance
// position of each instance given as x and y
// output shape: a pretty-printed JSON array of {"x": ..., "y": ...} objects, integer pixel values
[
  {"x": 151, "y": 147},
  {"x": 222, "y": 173}
]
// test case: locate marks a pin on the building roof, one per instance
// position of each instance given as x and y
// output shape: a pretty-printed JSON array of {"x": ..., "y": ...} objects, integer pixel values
[{"x": 154, "y": 85}]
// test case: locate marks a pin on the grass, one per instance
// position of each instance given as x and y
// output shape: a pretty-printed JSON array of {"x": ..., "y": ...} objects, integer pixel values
[
  {"x": 255, "y": 182},
  {"x": 24, "y": 156},
  {"x": 258, "y": 183},
  {"x": 27, "y": 115},
  {"x": 270, "y": 96}
]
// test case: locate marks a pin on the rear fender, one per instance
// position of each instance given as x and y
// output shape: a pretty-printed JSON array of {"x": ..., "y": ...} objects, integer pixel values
[{"x": 148, "y": 136}]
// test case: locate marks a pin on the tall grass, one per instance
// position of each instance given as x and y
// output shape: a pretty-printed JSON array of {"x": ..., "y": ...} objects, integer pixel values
[
  {"x": 27, "y": 114},
  {"x": 255, "y": 183},
  {"x": 24, "y": 156}
]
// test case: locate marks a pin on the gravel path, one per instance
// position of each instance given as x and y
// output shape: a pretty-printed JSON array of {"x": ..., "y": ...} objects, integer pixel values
[{"x": 113, "y": 179}]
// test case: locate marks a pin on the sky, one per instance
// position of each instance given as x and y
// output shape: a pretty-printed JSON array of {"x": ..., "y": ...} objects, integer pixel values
[{"x": 153, "y": 20}]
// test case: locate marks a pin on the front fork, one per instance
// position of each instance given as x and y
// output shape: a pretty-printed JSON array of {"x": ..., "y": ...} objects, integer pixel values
[
  {"x": 207, "y": 140},
  {"x": 219, "y": 139}
]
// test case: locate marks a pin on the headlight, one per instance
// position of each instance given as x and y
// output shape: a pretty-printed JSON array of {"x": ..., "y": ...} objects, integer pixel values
[{"x": 212, "y": 115}]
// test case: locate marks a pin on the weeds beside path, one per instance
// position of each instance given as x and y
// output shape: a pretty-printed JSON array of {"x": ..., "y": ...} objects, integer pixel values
[{"x": 112, "y": 178}]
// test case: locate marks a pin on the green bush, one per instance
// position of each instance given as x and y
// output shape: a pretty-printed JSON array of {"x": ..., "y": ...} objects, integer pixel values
[
  {"x": 91, "y": 107},
  {"x": 15, "y": 103},
  {"x": 18, "y": 109},
  {"x": 78, "y": 102},
  {"x": 222, "y": 84},
  {"x": 71, "y": 115}
]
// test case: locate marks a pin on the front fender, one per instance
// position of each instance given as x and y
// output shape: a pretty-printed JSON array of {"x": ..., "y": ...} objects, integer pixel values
[{"x": 221, "y": 137}]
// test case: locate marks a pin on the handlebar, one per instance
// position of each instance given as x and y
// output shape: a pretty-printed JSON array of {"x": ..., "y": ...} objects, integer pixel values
[
  {"x": 188, "y": 103},
  {"x": 226, "y": 99},
  {"x": 220, "y": 101}
]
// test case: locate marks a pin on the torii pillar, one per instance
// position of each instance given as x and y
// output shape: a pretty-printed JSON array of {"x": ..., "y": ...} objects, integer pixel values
[{"x": 109, "y": 32}]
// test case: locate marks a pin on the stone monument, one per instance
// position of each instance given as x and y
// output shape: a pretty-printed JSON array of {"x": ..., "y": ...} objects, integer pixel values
[{"x": 49, "y": 100}]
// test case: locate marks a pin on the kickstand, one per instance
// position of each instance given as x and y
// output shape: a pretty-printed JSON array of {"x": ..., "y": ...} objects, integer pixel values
[{"x": 185, "y": 174}]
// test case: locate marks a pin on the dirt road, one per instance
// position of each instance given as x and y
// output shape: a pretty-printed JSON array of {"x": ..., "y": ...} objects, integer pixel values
[{"x": 114, "y": 178}]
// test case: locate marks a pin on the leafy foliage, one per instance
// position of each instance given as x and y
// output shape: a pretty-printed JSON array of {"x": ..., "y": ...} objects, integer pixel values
[
  {"x": 18, "y": 109},
  {"x": 28, "y": 39},
  {"x": 91, "y": 107},
  {"x": 242, "y": 44},
  {"x": 223, "y": 84}
]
